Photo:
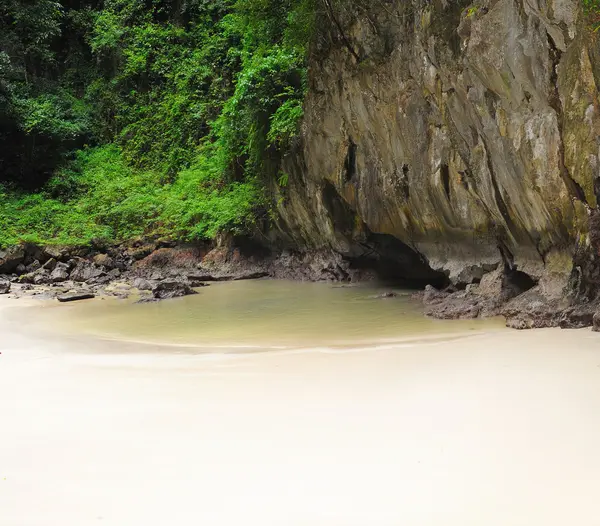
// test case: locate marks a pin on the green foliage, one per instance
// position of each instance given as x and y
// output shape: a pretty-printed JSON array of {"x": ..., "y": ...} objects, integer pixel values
[
  {"x": 198, "y": 208},
  {"x": 195, "y": 102},
  {"x": 591, "y": 9},
  {"x": 472, "y": 11},
  {"x": 58, "y": 115},
  {"x": 42, "y": 117},
  {"x": 284, "y": 122},
  {"x": 100, "y": 197},
  {"x": 283, "y": 180}
]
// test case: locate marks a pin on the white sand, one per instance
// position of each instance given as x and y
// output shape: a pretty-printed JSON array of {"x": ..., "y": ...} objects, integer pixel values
[{"x": 496, "y": 429}]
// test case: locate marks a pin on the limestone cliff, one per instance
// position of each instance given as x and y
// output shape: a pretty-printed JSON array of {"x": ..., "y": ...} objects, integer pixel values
[{"x": 465, "y": 131}]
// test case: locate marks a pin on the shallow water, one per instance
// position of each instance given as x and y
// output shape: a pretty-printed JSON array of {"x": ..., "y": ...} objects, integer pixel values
[{"x": 262, "y": 314}]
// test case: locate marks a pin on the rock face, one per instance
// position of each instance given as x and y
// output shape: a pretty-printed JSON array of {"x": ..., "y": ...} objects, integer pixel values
[{"x": 450, "y": 137}]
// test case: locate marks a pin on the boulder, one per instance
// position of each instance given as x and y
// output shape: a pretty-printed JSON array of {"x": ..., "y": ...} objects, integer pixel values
[
  {"x": 32, "y": 267},
  {"x": 85, "y": 271},
  {"x": 431, "y": 295},
  {"x": 142, "y": 284},
  {"x": 60, "y": 273},
  {"x": 37, "y": 277},
  {"x": 490, "y": 285},
  {"x": 596, "y": 322},
  {"x": 21, "y": 269},
  {"x": 56, "y": 252},
  {"x": 33, "y": 252},
  {"x": 454, "y": 306},
  {"x": 171, "y": 288},
  {"x": 115, "y": 273},
  {"x": 50, "y": 265},
  {"x": 41, "y": 277},
  {"x": 139, "y": 253},
  {"x": 10, "y": 258},
  {"x": 75, "y": 296},
  {"x": 102, "y": 279},
  {"x": 104, "y": 260},
  {"x": 4, "y": 286}
]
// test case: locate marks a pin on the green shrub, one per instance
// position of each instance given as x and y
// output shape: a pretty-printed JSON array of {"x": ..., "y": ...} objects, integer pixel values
[
  {"x": 188, "y": 108},
  {"x": 591, "y": 10},
  {"x": 100, "y": 197}
]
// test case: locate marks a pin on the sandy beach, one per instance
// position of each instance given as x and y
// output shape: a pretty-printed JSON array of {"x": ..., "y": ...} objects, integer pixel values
[{"x": 492, "y": 428}]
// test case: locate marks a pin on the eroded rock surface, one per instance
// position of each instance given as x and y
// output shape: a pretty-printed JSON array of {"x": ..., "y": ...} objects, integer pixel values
[{"x": 455, "y": 138}]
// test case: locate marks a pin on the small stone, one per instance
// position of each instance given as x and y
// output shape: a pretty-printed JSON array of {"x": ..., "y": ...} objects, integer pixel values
[{"x": 386, "y": 295}]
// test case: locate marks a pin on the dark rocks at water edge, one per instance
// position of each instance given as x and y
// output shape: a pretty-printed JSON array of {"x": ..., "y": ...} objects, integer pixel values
[
  {"x": 531, "y": 299},
  {"x": 171, "y": 288},
  {"x": 596, "y": 322},
  {"x": 136, "y": 269},
  {"x": 524, "y": 303},
  {"x": 4, "y": 286},
  {"x": 75, "y": 296}
]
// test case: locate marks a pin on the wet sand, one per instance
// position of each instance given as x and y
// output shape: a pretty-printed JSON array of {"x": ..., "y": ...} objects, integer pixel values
[{"x": 484, "y": 428}]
